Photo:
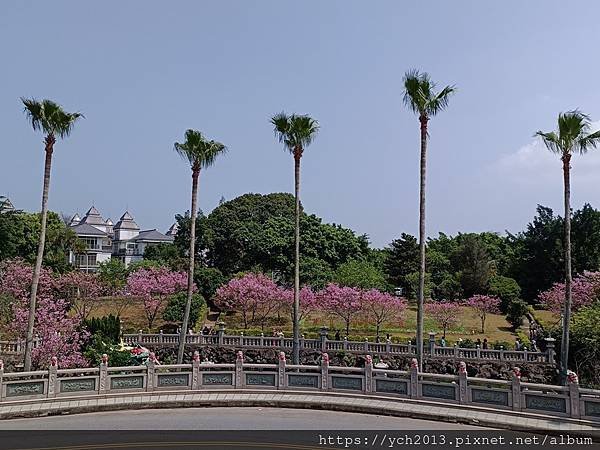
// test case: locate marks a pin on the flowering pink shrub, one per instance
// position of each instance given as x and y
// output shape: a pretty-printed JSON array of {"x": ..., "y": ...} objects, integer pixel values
[
  {"x": 254, "y": 295},
  {"x": 381, "y": 307},
  {"x": 155, "y": 285},
  {"x": 484, "y": 305},
  {"x": 585, "y": 289},
  {"x": 445, "y": 313},
  {"x": 342, "y": 301}
]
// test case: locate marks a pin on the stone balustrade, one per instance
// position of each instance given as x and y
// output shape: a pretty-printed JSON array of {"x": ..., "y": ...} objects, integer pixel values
[
  {"x": 562, "y": 401},
  {"x": 16, "y": 347},
  {"x": 324, "y": 344}
]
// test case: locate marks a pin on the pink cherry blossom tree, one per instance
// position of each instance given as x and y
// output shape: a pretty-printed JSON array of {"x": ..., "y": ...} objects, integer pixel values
[
  {"x": 59, "y": 333},
  {"x": 81, "y": 290},
  {"x": 484, "y": 305},
  {"x": 381, "y": 307},
  {"x": 308, "y": 302},
  {"x": 585, "y": 290},
  {"x": 342, "y": 301},
  {"x": 255, "y": 296},
  {"x": 445, "y": 313},
  {"x": 155, "y": 285}
]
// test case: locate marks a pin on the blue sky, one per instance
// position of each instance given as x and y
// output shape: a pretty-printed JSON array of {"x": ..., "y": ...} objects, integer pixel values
[{"x": 143, "y": 72}]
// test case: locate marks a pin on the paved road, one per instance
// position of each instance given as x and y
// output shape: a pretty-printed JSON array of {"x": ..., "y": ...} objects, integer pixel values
[{"x": 226, "y": 419}]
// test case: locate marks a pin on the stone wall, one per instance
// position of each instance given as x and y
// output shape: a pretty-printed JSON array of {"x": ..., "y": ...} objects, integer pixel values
[{"x": 533, "y": 373}]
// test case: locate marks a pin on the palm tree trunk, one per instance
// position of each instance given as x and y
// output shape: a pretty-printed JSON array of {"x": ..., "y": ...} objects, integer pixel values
[
  {"x": 422, "y": 237},
  {"x": 296, "y": 330},
  {"x": 190, "y": 285},
  {"x": 564, "y": 351},
  {"x": 50, "y": 140}
]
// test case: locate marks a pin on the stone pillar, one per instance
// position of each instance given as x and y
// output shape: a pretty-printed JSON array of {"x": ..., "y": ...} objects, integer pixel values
[
  {"x": 368, "y": 387},
  {"x": 220, "y": 333},
  {"x": 550, "y": 352},
  {"x": 239, "y": 370},
  {"x": 478, "y": 352},
  {"x": 323, "y": 337},
  {"x": 516, "y": 389},
  {"x": 345, "y": 343},
  {"x": 282, "y": 382},
  {"x": 366, "y": 344},
  {"x": 262, "y": 340},
  {"x": 573, "y": 384},
  {"x": 196, "y": 381},
  {"x": 501, "y": 353},
  {"x": 431, "y": 343},
  {"x": 388, "y": 346},
  {"x": 325, "y": 372},
  {"x": 150, "y": 366},
  {"x": 456, "y": 350},
  {"x": 410, "y": 352},
  {"x": 301, "y": 342},
  {"x": 103, "y": 374},
  {"x": 414, "y": 378},
  {"x": 161, "y": 338},
  {"x": 52, "y": 377},
  {"x": 1, "y": 376},
  {"x": 462, "y": 382},
  {"x": 140, "y": 332}
]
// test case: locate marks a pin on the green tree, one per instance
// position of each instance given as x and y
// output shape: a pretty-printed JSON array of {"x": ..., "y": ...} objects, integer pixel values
[
  {"x": 113, "y": 274},
  {"x": 474, "y": 265},
  {"x": 421, "y": 98},
  {"x": 200, "y": 153},
  {"x": 54, "y": 122},
  {"x": 208, "y": 280},
  {"x": 573, "y": 136},
  {"x": 402, "y": 259},
  {"x": 506, "y": 289},
  {"x": 360, "y": 274},
  {"x": 515, "y": 311},
  {"x": 166, "y": 254},
  {"x": 295, "y": 132}
]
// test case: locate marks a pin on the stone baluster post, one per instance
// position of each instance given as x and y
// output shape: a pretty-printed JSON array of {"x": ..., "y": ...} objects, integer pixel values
[
  {"x": 366, "y": 345},
  {"x": 388, "y": 346},
  {"x": 103, "y": 375},
  {"x": 53, "y": 377},
  {"x": 414, "y": 378},
  {"x": 345, "y": 343},
  {"x": 221, "y": 333},
  {"x": 462, "y": 382},
  {"x": 196, "y": 380},
  {"x": 325, "y": 372},
  {"x": 161, "y": 338},
  {"x": 550, "y": 352},
  {"x": 516, "y": 389},
  {"x": 262, "y": 340},
  {"x": 456, "y": 350},
  {"x": 368, "y": 386},
  {"x": 478, "y": 352},
  {"x": 323, "y": 331},
  {"x": 573, "y": 384},
  {"x": 301, "y": 343},
  {"x": 409, "y": 347},
  {"x": 139, "y": 339},
  {"x": 501, "y": 353},
  {"x": 432, "y": 343},
  {"x": 150, "y": 370},
  {"x": 282, "y": 381},
  {"x": 1, "y": 376},
  {"x": 239, "y": 370}
]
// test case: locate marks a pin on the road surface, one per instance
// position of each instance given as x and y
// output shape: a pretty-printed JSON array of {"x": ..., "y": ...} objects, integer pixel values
[{"x": 227, "y": 419}]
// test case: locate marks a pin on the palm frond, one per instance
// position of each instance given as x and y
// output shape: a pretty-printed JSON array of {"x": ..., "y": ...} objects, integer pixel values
[
  {"x": 419, "y": 94},
  {"x": 50, "y": 117},
  {"x": 573, "y": 134},
  {"x": 294, "y": 131},
  {"x": 551, "y": 141},
  {"x": 197, "y": 150}
]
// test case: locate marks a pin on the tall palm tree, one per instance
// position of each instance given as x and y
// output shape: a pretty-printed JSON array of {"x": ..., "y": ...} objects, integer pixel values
[
  {"x": 420, "y": 97},
  {"x": 200, "y": 153},
  {"x": 53, "y": 121},
  {"x": 295, "y": 132},
  {"x": 573, "y": 136}
]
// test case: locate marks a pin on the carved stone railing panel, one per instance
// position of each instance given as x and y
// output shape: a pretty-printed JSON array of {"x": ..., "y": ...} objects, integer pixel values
[
  {"x": 546, "y": 403},
  {"x": 490, "y": 396},
  {"x": 434, "y": 390}
]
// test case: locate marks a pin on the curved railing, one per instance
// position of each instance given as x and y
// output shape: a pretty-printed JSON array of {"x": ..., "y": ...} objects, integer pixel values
[
  {"x": 327, "y": 345},
  {"x": 563, "y": 401}
]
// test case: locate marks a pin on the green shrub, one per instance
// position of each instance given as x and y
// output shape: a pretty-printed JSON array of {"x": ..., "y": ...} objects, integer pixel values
[
  {"x": 506, "y": 289},
  {"x": 176, "y": 307},
  {"x": 97, "y": 346},
  {"x": 108, "y": 327},
  {"x": 516, "y": 311}
]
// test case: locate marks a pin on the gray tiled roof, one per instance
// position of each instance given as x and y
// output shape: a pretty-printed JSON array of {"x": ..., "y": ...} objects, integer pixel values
[
  {"x": 84, "y": 229},
  {"x": 126, "y": 222},
  {"x": 93, "y": 217},
  {"x": 152, "y": 235}
]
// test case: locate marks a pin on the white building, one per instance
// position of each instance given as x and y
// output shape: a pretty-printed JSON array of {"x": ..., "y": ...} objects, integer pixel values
[{"x": 105, "y": 240}]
